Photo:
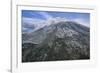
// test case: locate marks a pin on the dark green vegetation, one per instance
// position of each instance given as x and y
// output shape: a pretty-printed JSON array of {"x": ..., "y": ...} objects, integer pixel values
[{"x": 61, "y": 41}]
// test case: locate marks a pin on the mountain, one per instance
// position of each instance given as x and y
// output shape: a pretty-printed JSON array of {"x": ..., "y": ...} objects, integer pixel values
[{"x": 65, "y": 40}]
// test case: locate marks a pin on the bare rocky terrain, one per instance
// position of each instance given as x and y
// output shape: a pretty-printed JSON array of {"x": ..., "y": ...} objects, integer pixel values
[{"x": 59, "y": 41}]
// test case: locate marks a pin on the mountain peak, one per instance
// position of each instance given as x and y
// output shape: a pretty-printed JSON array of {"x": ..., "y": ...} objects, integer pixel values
[{"x": 62, "y": 40}]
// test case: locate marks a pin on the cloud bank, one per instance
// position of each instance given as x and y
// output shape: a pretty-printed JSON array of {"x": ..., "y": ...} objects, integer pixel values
[
  {"x": 81, "y": 21},
  {"x": 31, "y": 24}
]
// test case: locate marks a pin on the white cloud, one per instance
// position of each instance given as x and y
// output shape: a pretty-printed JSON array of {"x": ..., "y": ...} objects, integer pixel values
[
  {"x": 56, "y": 20},
  {"x": 81, "y": 21},
  {"x": 45, "y": 15},
  {"x": 35, "y": 24},
  {"x": 51, "y": 19},
  {"x": 32, "y": 23}
]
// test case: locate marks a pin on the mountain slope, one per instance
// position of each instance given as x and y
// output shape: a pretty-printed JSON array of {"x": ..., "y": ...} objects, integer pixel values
[{"x": 59, "y": 41}]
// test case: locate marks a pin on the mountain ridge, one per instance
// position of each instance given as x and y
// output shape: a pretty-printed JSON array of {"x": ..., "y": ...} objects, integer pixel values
[{"x": 60, "y": 41}]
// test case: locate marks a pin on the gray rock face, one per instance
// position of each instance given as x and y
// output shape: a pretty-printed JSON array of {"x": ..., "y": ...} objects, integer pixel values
[{"x": 59, "y": 41}]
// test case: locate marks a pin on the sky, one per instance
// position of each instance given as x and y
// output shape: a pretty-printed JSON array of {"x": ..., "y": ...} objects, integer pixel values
[{"x": 36, "y": 19}]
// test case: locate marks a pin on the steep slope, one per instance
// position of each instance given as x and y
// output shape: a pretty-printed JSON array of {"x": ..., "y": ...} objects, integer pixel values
[{"x": 60, "y": 41}]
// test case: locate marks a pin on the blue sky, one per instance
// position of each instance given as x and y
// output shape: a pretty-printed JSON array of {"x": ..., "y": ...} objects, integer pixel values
[
  {"x": 68, "y": 15},
  {"x": 30, "y": 15}
]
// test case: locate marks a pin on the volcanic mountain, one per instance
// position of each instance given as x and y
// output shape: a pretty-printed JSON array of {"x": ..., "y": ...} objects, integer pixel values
[{"x": 65, "y": 40}]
